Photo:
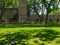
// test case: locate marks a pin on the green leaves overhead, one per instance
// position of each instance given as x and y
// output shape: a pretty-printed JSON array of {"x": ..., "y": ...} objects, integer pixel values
[
  {"x": 9, "y": 3},
  {"x": 46, "y": 4},
  {"x": 13, "y": 3},
  {"x": 50, "y": 3}
]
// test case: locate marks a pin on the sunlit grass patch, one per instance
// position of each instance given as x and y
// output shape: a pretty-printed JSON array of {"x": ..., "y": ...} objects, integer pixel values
[{"x": 30, "y": 36}]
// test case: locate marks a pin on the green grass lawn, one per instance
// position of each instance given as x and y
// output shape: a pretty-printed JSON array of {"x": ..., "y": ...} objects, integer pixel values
[
  {"x": 27, "y": 28},
  {"x": 30, "y": 36}
]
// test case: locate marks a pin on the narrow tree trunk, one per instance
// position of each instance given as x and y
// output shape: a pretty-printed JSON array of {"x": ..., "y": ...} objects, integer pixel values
[
  {"x": 28, "y": 12},
  {"x": 46, "y": 22},
  {"x": 2, "y": 9},
  {"x": 42, "y": 12}
]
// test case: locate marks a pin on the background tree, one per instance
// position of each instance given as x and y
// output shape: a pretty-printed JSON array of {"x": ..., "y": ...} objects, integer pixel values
[
  {"x": 47, "y": 4},
  {"x": 2, "y": 5}
]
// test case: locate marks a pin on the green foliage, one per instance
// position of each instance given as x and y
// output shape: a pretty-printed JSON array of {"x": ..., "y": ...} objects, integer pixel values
[
  {"x": 13, "y": 3},
  {"x": 9, "y": 3},
  {"x": 27, "y": 25}
]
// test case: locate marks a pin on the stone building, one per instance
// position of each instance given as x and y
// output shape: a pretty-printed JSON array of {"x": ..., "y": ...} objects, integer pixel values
[
  {"x": 14, "y": 15},
  {"x": 22, "y": 11},
  {"x": 8, "y": 14}
]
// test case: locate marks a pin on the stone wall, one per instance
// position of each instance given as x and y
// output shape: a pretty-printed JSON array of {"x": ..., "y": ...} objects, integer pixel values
[
  {"x": 9, "y": 13},
  {"x": 51, "y": 19},
  {"x": 22, "y": 11}
]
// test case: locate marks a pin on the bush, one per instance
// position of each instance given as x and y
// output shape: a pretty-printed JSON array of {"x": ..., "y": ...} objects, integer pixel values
[{"x": 28, "y": 25}]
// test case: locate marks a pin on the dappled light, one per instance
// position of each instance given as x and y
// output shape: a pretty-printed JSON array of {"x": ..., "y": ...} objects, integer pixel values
[{"x": 29, "y": 37}]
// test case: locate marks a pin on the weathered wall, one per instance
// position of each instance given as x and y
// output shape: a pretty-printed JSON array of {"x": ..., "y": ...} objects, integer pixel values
[
  {"x": 22, "y": 11},
  {"x": 51, "y": 19},
  {"x": 8, "y": 15}
]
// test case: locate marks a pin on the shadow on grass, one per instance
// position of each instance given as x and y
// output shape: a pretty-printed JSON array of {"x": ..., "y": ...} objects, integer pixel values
[
  {"x": 17, "y": 37},
  {"x": 47, "y": 35},
  {"x": 14, "y": 37}
]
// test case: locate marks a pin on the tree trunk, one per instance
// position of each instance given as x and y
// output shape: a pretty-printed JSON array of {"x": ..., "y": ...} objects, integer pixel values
[
  {"x": 28, "y": 12},
  {"x": 46, "y": 21},
  {"x": 42, "y": 13}
]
